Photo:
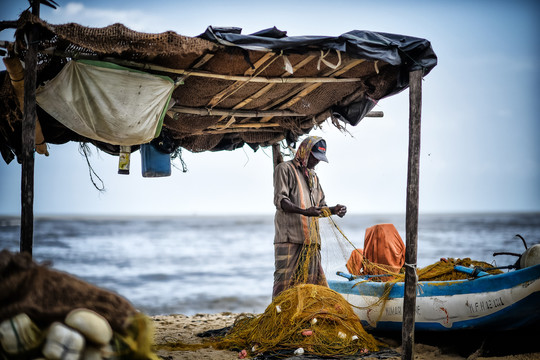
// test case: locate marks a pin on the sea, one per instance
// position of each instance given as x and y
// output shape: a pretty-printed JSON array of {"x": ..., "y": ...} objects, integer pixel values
[{"x": 211, "y": 264}]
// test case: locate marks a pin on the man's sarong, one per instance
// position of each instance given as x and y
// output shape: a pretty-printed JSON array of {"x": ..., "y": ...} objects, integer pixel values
[{"x": 289, "y": 265}]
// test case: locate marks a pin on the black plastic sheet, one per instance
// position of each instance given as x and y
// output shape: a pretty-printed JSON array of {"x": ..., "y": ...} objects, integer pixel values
[{"x": 406, "y": 52}]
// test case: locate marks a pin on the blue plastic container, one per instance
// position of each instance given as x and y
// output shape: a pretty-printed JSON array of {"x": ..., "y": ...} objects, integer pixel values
[{"x": 154, "y": 162}]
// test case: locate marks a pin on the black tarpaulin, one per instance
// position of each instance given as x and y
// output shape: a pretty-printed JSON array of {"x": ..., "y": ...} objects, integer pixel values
[{"x": 407, "y": 52}]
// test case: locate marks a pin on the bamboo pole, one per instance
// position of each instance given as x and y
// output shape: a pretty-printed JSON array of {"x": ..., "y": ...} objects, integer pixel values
[
  {"x": 267, "y": 87},
  {"x": 175, "y": 110},
  {"x": 413, "y": 174},
  {"x": 245, "y": 126},
  {"x": 226, "y": 112},
  {"x": 238, "y": 84},
  {"x": 206, "y": 74},
  {"x": 307, "y": 88},
  {"x": 28, "y": 137},
  {"x": 199, "y": 64},
  {"x": 228, "y": 130}
]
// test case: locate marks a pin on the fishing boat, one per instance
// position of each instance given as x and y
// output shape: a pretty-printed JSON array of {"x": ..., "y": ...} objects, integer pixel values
[{"x": 504, "y": 301}]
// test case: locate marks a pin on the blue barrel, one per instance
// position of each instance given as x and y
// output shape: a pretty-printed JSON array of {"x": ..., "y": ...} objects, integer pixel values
[{"x": 154, "y": 162}]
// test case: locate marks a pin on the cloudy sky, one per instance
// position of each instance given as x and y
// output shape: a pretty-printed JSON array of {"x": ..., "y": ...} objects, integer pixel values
[{"x": 480, "y": 119}]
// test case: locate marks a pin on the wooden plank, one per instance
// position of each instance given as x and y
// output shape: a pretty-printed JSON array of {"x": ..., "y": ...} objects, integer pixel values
[
  {"x": 265, "y": 89},
  {"x": 203, "y": 61},
  {"x": 306, "y": 89},
  {"x": 238, "y": 84},
  {"x": 28, "y": 137},
  {"x": 200, "y": 63},
  {"x": 413, "y": 174}
]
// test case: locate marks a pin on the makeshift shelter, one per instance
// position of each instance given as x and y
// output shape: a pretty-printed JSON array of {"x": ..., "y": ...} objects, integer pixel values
[
  {"x": 229, "y": 89},
  {"x": 226, "y": 90}
]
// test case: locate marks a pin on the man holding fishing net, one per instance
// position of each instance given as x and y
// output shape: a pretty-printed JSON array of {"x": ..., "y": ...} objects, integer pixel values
[{"x": 299, "y": 201}]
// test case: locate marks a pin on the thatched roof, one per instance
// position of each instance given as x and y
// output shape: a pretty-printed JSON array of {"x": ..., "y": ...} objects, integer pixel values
[{"x": 236, "y": 89}]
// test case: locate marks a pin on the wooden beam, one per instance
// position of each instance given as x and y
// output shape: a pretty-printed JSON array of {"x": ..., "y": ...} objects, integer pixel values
[
  {"x": 265, "y": 89},
  {"x": 28, "y": 137},
  {"x": 238, "y": 84},
  {"x": 175, "y": 110},
  {"x": 306, "y": 89},
  {"x": 229, "y": 130},
  {"x": 226, "y": 112},
  {"x": 8, "y": 24},
  {"x": 413, "y": 174},
  {"x": 244, "y": 126},
  {"x": 206, "y": 74},
  {"x": 200, "y": 63}
]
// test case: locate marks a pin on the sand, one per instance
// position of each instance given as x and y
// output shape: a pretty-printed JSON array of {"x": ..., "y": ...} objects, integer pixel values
[{"x": 182, "y": 328}]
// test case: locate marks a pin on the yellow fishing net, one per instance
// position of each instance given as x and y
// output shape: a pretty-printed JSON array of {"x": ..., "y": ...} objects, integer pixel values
[
  {"x": 306, "y": 318},
  {"x": 442, "y": 270},
  {"x": 314, "y": 319}
]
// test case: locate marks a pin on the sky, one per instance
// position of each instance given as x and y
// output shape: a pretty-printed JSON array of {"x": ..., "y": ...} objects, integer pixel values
[{"x": 480, "y": 150}]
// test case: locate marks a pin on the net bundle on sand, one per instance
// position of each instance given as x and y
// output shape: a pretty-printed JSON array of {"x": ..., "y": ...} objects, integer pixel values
[
  {"x": 304, "y": 319},
  {"x": 313, "y": 318}
]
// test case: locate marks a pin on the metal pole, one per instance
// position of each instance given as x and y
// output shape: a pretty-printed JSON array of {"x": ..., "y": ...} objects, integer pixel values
[
  {"x": 413, "y": 174},
  {"x": 28, "y": 137}
]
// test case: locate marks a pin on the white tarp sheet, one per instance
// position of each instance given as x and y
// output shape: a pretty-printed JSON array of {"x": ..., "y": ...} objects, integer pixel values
[{"x": 107, "y": 102}]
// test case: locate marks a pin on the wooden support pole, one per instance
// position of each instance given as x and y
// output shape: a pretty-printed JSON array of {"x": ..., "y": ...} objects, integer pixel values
[
  {"x": 28, "y": 137},
  {"x": 276, "y": 155},
  {"x": 413, "y": 172}
]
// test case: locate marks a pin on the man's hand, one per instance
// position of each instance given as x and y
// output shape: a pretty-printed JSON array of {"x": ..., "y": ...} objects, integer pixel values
[
  {"x": 313, "y": 211},
  {"x": 289, "y": 207},
  {"x": 339, "y": 210}
]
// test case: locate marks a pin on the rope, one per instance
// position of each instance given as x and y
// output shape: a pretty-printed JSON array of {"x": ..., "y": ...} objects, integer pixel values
[
  {"x": 326, "y": 62},
  {"x": 85, "y": 151},
  {"x": 412, "y": 266}
]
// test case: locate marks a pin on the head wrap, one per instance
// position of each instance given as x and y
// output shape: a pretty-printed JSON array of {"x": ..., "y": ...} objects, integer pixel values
[{"x": 302, "y": 157}]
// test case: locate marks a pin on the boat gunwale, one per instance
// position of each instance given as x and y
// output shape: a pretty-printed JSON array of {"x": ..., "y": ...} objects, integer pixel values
[{"x": 440, "y": 288}]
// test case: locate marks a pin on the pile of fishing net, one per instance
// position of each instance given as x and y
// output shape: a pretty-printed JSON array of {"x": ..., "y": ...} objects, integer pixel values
[
  {"x": 315, "y": 320},
  {"x": 306, "y": 318},
  {"x": 46, "y": 312}
]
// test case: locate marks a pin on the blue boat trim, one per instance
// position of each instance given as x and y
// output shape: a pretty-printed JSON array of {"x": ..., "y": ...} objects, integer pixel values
[
  {"x": 440, "y": 288},
  {"x": 523, "y": 312}
]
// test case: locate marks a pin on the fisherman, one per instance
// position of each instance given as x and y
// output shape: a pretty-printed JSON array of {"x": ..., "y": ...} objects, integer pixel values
[{"x": 299, "y": 201}]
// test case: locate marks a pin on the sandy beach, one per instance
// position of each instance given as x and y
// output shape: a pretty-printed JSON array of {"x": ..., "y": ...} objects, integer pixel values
[{"x": 184, "y": 329}]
